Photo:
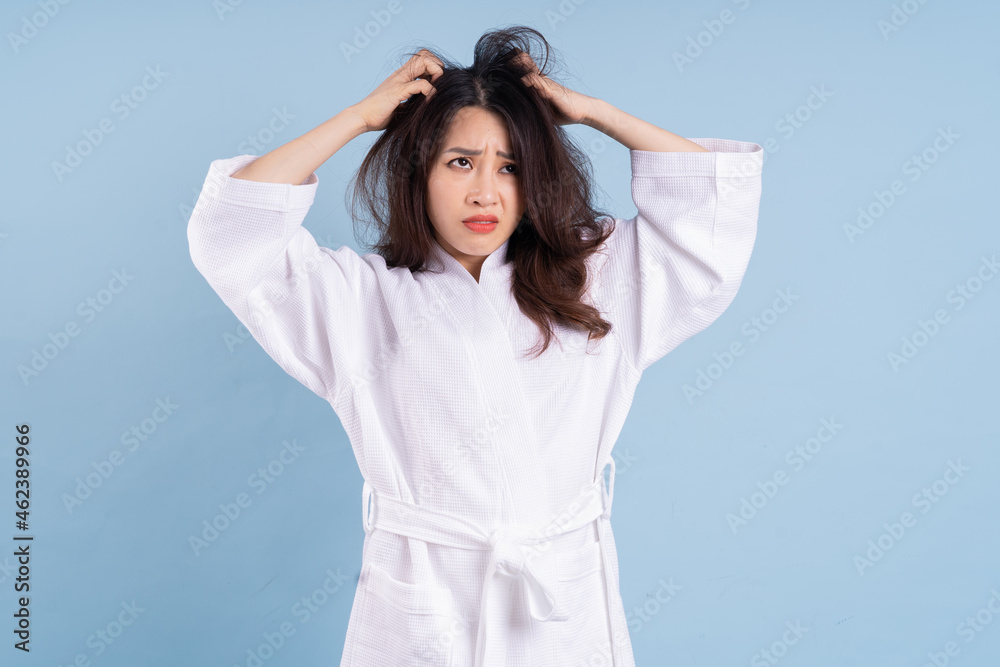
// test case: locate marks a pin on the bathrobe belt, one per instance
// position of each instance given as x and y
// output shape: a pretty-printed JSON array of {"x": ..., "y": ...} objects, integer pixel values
[{"x": 512, "y": 548}]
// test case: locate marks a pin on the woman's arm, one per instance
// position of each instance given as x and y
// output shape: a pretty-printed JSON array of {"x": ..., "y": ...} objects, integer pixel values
[
  {"x": 569, "y": 106},
  {"x": 676, "y": 266},
  {"x": 293, "y": 162},
  {"x": 634, "y": 133}
]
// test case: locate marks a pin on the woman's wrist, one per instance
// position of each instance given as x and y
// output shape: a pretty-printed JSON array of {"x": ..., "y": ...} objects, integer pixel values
[
  {"x": 607, "y": 118},
  {"x": 355, "y": 120},
  {"x": 635, "y": 133}
]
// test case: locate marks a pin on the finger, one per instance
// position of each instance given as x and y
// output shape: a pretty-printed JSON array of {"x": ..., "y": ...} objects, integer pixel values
[
  {"x": 413, "y": 67},
  {"x": 423, "y": 75},
  {"x": 433, "y": 58},
  {"x": 534, "y": 80},
  {"x": 417, "y": 86},
  {"x": 435, "y": 69},
  {"x": 403, "y": 69},
  {"x": 423, "y": 62},
  {"x": 525, "y": 59}
]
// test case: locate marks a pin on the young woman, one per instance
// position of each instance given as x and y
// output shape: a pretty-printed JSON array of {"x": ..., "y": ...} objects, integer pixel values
[{"x": 487, "y": 519}]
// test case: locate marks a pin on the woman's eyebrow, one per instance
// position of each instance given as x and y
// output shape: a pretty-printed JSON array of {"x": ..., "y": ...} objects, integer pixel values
[{"x": 469, "y": 151}]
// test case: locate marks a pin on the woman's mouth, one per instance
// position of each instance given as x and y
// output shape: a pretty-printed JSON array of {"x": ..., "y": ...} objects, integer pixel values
[
  {"x": 481, "y": 224},
  {"x": 481, "y": 227}
]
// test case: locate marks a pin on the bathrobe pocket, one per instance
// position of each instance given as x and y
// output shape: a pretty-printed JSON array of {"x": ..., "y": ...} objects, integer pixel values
[
  {"x": 585, "y": 637},
  {"x": 402, "y": 624}
]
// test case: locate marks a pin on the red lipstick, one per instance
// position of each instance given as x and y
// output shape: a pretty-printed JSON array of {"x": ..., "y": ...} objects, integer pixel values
[{"x": 481, "y": 224}]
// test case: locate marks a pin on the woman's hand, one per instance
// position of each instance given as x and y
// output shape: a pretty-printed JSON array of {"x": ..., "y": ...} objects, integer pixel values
[
  {"x": 568, "y": 105},
  {"x": 415, "y": 76}
]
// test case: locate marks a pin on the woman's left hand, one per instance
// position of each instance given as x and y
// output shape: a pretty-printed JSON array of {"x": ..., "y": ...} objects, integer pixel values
[{"x": 569, "y": 106}]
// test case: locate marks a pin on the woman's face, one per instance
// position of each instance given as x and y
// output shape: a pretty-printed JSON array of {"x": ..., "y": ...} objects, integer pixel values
[{"x": 475, "y": 174}]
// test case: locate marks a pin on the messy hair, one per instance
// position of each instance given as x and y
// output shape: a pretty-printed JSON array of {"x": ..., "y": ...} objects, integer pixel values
[{"x": 559, "y": 228}]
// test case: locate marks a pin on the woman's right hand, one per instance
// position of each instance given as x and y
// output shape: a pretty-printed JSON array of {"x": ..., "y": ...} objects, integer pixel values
[{"x": 415, "y": 76}]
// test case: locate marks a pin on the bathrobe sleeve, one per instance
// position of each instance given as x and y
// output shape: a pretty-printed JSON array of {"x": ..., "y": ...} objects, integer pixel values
[
  {"x": 300, "y": 301},
  {"x": 677, "y": 265}
]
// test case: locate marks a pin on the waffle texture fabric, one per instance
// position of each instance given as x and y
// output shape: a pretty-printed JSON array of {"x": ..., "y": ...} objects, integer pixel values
[{"x": 488, "y": 538}]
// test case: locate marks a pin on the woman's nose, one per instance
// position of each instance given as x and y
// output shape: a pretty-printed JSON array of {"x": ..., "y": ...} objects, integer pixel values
[
  {"x": 484, "y": 189},
  {"x": 483, "y": 197}
]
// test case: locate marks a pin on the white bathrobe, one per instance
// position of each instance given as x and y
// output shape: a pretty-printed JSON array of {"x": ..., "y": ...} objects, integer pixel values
[{"x": 487, "y": 518}]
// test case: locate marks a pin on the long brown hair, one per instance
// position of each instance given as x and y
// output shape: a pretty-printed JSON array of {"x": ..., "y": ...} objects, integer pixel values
[{"x": 559, "y": 229}]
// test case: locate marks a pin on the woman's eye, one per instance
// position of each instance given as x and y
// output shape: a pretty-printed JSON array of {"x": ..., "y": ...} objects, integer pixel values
[{"x": 511, "y": 167}]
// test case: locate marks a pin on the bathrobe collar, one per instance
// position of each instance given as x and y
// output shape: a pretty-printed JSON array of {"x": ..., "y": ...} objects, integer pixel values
[{"x": 495, "y": 268}]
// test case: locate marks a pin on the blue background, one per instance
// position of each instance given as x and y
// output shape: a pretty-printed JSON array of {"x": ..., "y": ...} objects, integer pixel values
[{"x": 685, "y": 462}]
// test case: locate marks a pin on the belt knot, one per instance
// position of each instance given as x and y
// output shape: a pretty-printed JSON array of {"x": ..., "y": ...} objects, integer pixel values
[{"x": 511, "y": 559}]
